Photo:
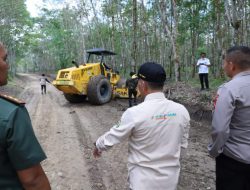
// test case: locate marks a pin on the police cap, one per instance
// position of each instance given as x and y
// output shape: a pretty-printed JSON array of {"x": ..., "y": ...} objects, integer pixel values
[{"x": 152, "y": 72}]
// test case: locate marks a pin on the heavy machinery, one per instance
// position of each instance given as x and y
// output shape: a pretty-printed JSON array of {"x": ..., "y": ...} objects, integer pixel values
[{"x": 94, "y": 81}]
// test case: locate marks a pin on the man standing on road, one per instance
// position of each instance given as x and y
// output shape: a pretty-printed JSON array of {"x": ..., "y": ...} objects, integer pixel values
[
  {"x": 203, "y": 64},
  {"x": 231, "y": 123},
  {"x": 43, "y": 81},
  {"x": 20, "y": 152},
  {"x": 131, "y": 84},
  {"x": 156, "y": 129}
]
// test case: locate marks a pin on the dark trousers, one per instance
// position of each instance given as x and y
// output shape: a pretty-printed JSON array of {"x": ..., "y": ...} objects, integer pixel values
[
  {"x": 132, "y": 92},
  {"x": 231, "y": 174},
  {"x": 204, "y": 77},
  {"x": 43, "y": 88}
]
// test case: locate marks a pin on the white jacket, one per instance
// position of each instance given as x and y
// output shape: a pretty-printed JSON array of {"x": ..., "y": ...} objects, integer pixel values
[
  {"x": 156, "y": 128},
  {"x": 203, "y": 64}
]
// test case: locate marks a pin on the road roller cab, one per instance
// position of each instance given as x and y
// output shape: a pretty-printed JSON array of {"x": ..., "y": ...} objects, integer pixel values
[{"x": 93, "y": 80}]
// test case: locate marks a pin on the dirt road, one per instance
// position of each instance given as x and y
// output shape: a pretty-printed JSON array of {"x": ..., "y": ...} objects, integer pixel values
[{"x": 67, "y": 132}]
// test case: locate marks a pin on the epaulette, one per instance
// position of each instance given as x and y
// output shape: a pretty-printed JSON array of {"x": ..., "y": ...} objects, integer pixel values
[{"x": 12, "y": 99}]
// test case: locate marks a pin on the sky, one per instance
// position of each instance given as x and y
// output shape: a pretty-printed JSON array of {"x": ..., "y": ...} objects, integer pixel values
[{"x": 35, "y": 6}]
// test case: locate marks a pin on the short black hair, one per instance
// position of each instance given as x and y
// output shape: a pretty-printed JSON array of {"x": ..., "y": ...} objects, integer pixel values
[
  {"x": 155, "y": 85},
  {"x": 239, "y": 55}
]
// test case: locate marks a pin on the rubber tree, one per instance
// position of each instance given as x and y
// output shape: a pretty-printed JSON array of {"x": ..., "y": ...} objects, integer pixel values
[{"x": 171, "y": 34}]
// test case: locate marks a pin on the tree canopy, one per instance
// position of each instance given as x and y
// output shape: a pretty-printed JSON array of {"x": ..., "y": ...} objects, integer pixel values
[{"x": 172, "y": 33}]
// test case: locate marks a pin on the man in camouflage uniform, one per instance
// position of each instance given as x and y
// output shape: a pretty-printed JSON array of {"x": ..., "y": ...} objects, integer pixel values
[{"x": 20, "y": 152}]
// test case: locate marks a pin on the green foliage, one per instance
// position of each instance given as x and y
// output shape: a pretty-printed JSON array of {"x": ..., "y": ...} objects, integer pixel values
[{"x": 55, "y": 38}]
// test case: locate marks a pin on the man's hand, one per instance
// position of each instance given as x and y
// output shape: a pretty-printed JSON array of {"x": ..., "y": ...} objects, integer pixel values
[
  {"x": 97, "y": 153},
  {"x": 34, "y": 178}
]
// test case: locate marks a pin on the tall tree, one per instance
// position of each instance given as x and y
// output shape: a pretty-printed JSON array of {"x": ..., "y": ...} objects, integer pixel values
[
  {"x": 171, "y": 34},
  {"x": 234, "y": 12},
  {"x": 134, "y": 49}
]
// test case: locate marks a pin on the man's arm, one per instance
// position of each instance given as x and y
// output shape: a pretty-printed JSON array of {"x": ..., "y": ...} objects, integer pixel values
[
  {"x": 115, "y": 135},
  {"x": 24, "y": 151},
  {"x": 208, "y": 63},
  {"x": 198, "y": 63},
  {"x": 221, "y": 120},
  {"x": 186, "y": 127},
  {"x": 34, "y": 178},
  {"x": 47, "y": 80}
]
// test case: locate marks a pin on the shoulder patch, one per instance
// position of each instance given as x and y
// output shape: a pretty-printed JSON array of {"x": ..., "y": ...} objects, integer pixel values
[{"x": 12, "y": 99}]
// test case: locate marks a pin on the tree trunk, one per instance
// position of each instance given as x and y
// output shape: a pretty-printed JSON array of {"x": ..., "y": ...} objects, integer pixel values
[
  {"x": 172, "y": 35},
  {"x": 134, "y": 52}
]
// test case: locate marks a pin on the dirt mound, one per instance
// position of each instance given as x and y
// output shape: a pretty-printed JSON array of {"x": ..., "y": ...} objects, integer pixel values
[{"x": 199, "y": 103}]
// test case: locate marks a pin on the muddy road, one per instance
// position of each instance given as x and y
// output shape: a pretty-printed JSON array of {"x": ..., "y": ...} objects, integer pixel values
[{"x": 67, "y": 132}]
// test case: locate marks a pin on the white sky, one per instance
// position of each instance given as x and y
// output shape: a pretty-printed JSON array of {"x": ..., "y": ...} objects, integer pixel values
[{"x": 35, "y": 6}]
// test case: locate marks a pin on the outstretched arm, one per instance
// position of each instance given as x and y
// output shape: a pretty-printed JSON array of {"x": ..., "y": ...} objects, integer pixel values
[
  {"x": 47, "y": 80},
  {"x": 34, "y": 178},
  {"x": 221, "y": 121},
  {"x": 115, "y": 135}
]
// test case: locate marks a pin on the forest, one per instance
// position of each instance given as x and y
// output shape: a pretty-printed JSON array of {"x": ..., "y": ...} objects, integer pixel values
[{"x": 170, "y": 32}]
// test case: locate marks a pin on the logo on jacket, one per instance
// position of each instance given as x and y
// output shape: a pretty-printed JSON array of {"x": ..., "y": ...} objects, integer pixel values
[
  {"x": 163, "y": 116},
  {"x": 118, "y": 124}
]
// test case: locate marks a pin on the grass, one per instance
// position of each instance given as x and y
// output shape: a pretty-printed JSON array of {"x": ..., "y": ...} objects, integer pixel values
[{"x": 214, "y": 83}]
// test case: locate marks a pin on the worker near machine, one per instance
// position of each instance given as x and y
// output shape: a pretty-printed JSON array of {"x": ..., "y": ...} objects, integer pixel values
[
  {"x": 131, "y": 84},
  {"x": 20, "y": 152},
  {"x": 43, "y": 81},
  {"x": 231, "y": 123},
  {"x": 156, "y": 130}
]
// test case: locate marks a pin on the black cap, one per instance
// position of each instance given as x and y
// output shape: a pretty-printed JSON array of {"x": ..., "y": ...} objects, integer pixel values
[
  {"x": 131, "y": 73},
  {"x": 152, "y": 72}
]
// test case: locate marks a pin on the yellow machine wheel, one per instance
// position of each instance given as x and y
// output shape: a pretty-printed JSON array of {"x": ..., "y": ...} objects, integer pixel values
[{"x": 99, "y": 90}]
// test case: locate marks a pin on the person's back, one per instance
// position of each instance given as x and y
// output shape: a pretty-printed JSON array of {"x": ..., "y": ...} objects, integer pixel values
[
  {"x": 43, "y": 80},
  {"x": 155, "y": 143},
  {"x": 131, "y": 83},
  {"x": 156, "y": 128}
]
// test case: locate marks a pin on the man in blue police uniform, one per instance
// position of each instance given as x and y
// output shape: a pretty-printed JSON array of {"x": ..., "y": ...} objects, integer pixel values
[{"x": 20, "y": 152}]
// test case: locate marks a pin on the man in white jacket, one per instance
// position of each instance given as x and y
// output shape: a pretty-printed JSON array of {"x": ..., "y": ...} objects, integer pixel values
[
  {"x": 203, "y": 63},
  {"x": 156, "y": 130}
]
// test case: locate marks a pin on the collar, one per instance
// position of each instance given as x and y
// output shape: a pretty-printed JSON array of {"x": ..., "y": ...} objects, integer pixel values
[
  {"x": 243, "y": 73},
  {"x": 155, "y": 95}
]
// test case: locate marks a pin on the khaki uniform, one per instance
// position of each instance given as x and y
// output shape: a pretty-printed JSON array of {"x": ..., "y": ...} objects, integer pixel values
[{"x": 19, "y": 148}]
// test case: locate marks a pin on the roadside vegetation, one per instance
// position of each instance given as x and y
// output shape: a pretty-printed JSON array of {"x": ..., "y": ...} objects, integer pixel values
[{"x": 172, "y": 33}]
